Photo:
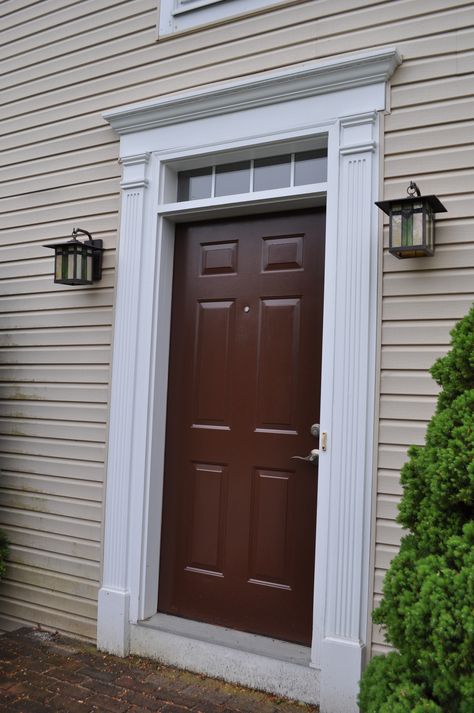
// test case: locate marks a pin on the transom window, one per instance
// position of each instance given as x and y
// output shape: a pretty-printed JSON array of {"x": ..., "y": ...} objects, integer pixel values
[{"x": 260, "y": 174}]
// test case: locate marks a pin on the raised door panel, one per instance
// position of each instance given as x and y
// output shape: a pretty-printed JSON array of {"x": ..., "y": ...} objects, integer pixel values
[
  {"x": 277, "y": 363},
  {"x": 212, "y": 361}
]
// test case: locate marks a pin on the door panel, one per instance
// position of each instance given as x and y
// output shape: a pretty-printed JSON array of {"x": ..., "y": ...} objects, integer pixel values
[
  {"x": 270, "y": 529},
  {"x": 206, "y": 533},
  {"x": 211, "y": 378},
  {"x": 239, "y": 514},
  {"x": 278, "y": 339}
]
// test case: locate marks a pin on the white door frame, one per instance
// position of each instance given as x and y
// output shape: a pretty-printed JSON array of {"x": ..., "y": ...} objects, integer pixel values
[{"x": 342, "y": 99}]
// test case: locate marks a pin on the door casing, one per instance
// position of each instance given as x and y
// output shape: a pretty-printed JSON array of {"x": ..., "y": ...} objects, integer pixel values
[{"x": 151, "y": 146}]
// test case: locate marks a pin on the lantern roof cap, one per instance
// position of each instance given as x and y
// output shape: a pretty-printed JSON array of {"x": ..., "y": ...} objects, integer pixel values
[
  {"x": 87, "y": 243},
  {"x": 433, "y": 201}
]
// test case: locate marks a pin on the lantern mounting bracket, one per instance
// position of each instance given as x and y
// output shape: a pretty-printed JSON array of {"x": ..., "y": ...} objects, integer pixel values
[
  {"x": 413, "y": 189},
  {"x": 75, "y": 232}
]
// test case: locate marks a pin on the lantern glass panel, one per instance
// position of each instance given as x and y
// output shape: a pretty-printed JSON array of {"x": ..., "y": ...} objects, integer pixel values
[
  {"x": 407, "y": 227},
  {"x": 430, "y": 228},
  {"x": 396, "y": 227},
  {"x": 82, "y": 265},
  {"x": 418, "y": 225},
  {"x": 58, "y": 264},
  {"x": 71, "y": 259},
  {"x": 86, "y": 274}
]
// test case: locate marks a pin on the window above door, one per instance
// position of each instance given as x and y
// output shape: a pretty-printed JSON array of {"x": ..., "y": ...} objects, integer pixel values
[
  {"x": 180, "y": 15},
  {"x": 292, "y": 169}
]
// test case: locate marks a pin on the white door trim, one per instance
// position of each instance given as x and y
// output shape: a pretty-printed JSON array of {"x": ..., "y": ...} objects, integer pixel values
[{"x": 341, "y": 99}]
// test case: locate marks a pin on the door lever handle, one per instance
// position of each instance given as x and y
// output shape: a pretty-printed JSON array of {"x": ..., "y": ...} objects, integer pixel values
[{"x": 312, "y": 457}]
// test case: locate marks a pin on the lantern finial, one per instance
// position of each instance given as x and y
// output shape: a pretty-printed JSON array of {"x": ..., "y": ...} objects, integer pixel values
[{"x": 413, "y": 189}]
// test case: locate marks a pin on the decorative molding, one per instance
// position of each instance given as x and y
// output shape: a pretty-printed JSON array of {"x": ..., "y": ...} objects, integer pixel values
[
  {"x": 130, "y": 185},
  {"x": 357, "y": 148},
  {"x": 347, "y": 492},
  {"x": 367, "y": 119},
  {"x": 357, "y": 133},
  {"x": 137, "y": 159},
  {"x": 114, "y": 595},
  {"x": 307, "y": 80},
  {"x": 142, "y": 322},
  {"x": 134, "y": 171},
  {"x": 350, "y": 398}
]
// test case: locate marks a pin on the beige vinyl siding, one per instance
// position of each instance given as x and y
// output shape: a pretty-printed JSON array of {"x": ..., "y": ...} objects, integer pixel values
[
  {"x": 66, "y": 61},
  {"x": 429, "y": 136}
]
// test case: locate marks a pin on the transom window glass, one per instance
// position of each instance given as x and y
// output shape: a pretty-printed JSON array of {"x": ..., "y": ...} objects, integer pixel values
[{"x": 262, "y": 174}]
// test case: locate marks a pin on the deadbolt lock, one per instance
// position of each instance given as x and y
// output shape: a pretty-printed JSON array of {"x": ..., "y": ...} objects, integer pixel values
[
  {"x": 323, "y": 437},
  {"x": 313, "y": 455}
]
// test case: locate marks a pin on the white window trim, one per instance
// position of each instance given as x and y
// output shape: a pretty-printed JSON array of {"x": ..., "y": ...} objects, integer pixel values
[
  {"x": 181, "y": 128},
  {"x": 181, "y": 15}
]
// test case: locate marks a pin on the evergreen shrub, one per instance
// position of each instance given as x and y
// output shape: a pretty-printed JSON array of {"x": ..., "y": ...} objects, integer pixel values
[{"x": 427, "y": 608}]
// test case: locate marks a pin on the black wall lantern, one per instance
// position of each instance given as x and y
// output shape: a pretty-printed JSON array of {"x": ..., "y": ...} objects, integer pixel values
[
  {"x": 76, "y": 262},
  {"x": 412, "y": 223}
]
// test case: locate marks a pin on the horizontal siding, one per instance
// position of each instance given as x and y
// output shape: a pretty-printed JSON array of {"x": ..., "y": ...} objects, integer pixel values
[
  {"x": 429, "y": 136},
  {"x": 45, "y": 465},
  {"x": 58, "y": 168},
  {"x": 433, "y": 307},
  {"x": 55, "y": 341},
  {"x": 17, "y": 610},
  {"x": 408, "y": 141},
  {"x": 397, "y": 406}
]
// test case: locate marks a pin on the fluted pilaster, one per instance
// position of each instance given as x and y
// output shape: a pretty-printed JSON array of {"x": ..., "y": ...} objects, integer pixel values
[
  {"x": 114, "y": 594},
  {"x": 350, "y": 475}
]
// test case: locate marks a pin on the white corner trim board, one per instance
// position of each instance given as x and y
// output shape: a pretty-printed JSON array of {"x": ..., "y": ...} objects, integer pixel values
[{"x": 336, "y": 101}]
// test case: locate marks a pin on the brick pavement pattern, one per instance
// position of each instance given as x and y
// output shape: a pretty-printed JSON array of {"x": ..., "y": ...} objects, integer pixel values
[{"x": 42, "y": 672}]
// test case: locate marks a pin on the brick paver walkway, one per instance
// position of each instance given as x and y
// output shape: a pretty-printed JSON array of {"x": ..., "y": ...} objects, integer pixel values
[{"x": 41, "y": 672}]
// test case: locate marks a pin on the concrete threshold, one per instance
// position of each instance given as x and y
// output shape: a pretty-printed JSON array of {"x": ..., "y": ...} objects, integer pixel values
[{"x": 247, "y": 659}]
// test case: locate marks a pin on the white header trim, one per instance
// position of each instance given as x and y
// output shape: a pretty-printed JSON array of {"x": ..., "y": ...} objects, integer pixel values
[{"x": 307, "y": 80}]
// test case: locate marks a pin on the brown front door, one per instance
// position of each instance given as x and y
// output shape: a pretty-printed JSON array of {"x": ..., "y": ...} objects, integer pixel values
[{"x": 239, "y": 514}]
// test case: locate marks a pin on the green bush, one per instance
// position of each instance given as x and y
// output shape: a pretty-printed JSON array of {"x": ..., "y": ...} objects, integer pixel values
[
  {"x": 428, "y": 604},
  {"x": 3, "y": 552}
]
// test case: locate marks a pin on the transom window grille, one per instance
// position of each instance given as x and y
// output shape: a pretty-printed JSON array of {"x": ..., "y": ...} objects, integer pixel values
[{"x": 261, "y": 174}]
